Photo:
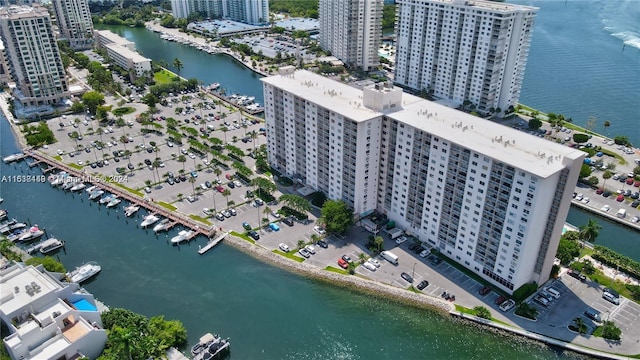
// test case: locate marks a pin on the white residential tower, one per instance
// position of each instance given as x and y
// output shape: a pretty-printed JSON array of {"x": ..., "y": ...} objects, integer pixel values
[{"x": 74, "y": 22}]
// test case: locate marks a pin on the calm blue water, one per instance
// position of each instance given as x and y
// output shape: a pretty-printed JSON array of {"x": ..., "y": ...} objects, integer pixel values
[{"x": 578, "y": 67}]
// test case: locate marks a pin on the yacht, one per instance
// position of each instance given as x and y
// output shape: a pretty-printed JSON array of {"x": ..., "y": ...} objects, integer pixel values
[
  {"x": 106, "y": 199},
  {"x": 84, "y": 272},
  {"x": 130, "y": 210},
  {"x": 91, "y": 188},
  {"x": 57, "y": 179},
  {"x": 69, "y": 182},
  {"x": 78, "y": 186},
  {"x": 50, "y": 245},
  {"x": 182, "y": 236},
  {"x": 95, "y": 194},
  {"x": 162, "y": 225},
  {"x": 11, "y": 225},
  {"x": 208, "y": 349},
  {"x": 3, "y": 214},
  {"x": 114, "y": 201},
  {"x": 15, "y": 235},
  {"x": 12, "y": 157},
  {"x": 149, "y": 220},
  {"x": 34, "y": 233}
]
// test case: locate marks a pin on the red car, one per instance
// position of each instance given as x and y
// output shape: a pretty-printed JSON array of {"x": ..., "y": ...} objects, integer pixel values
[
  {"x": 219, "y": 188},
  {"x": 629, "y": 181},
  {"x": 620, "y": 198},
  {"x": 636, "y": 184},
  {"x": 343, "y": 264},
  {"x": 600, "y": 191},
  {"x": 500, "y": 300}
]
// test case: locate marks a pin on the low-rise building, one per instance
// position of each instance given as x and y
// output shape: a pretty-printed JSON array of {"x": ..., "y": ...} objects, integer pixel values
[
  {"x": 47, "y": 318},
  {"x": 122, "y": 52}
]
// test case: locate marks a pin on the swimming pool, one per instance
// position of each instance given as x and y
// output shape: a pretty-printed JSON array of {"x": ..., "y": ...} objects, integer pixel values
[{"x": 84, "y": 305}]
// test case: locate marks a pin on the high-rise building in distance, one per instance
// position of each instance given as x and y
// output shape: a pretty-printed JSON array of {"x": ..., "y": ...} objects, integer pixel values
[
  {"x": 466, "y": 51},
  {"x": 352, "y": 31},
  {"x": 492, "y": 198},
  {"x": 249, "y": 11},
  {"x": 74, "y": 22}
]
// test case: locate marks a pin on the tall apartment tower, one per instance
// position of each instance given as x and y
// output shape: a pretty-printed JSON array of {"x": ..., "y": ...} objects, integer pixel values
[
  {"x": 249, "y": 11},
  {"x": 74, "y": 22},
  {"x": 352, "y": 31},
  {"x": 464, "y": 50},
  {"x": 491, "y": 198},
  {"x": 33, "y": 55},
  {"x": 181, "y": 8}
]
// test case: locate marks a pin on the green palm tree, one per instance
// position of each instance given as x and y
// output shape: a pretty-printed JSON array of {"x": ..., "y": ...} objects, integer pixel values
[
  {"x": 226, "y": 194},
  {"x": 590, "y": 231},
  {"x": 178, "y": 65},
  {"x": 123, "y": 341}
]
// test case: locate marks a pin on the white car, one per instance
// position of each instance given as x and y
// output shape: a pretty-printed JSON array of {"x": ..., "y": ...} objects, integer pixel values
[
  {"x": 275, "y": 214},
  {"x": 401, "y": 239},
  {"x": 237, "y": 183},
  {"x": 507, "y": 305},
  {"x": 369, "y": 266},
  {"x": 425, "y": 253},
  {"x": 284, "y": 247},
  {"x": 311, "y": 249},
  {"x": 319, "y": 230},
  {"x": 579, "y": 197},
  {"x": 374, "y": 262},
  {"x": 192, "y": 156},
  {"x": 606, "y": 208},
  {"x": 585, "y": 200}
]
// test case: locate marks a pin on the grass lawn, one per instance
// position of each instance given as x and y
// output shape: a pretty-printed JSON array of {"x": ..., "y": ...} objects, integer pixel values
[
  {"x": 200, "y": 218},
  {"x": 336, "y": 270},
  {"x": 167, "y": 206},
  {"x": 123, "y": 111},
  {"x": 164, "y": 76},
  {"x": 75, "y": 166},
  {"x": 466, "y": 310},
  {"x": 243, "y": 237},
  {"x": 289, "y": 256},
  {"x": 58, "y": 158}
]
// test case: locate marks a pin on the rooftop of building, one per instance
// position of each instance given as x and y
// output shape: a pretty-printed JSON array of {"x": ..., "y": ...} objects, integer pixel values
[
  {"x": 519, "y": 149},
  {"x": 22, "y": 285},
  {"x": 304, "y": 24},
  {"x": 127, "y": 53},
  {"x": 483, "y": 5},
  {"x": 340, "y": 98},
  {"x": 22, "y": 11},
  {"x": 111, "y": 36}
]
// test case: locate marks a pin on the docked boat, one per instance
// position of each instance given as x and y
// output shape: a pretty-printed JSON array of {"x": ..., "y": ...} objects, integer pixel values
[
  {"x": 114, "y": 201},
  {"x": 50, "y": 245},
  {"x": 95, "y": 194},
  {"x": 78, "y": 186},
  {"x": 84, "y": 272},
  {"x": 15, "y": 235},
  {"x": 106, "y": 199},
  {"x": 130, "y": 210},
  {"x": 211, "y": 347},
  {"x": 57, "y": 179},
  {"x": 12, "y": 157},
  {"x": 149, "y": 220},
  {"x": 90, "y": 189},
  {"x": 69, "y": 182},
  {"x": 3, "y": 214},
  {"x": 162, "y": 225},
  {"x": 34, "y": 233},
  {"x": 182, "y": 236}
]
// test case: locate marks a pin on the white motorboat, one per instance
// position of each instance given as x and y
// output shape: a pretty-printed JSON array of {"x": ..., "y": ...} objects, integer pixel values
[
  {"x": 182, "y": 236},
  {"x": 114, "y": 201},
  {"x": 95, "y": 194},
  {"x": 50, "y": 245},
  {"x": 57, "y": 179},
  {"x": 69, "y": 182},
  {"x": 12, "y": 157},
  {"x": 78, "y": 187},
  {"x": 162, "y": 225},
  {"x": 84, "y": 272},
  {"x": 91, "y": 188},
  {"x": 106, "y": 199},
  {"x": 130, "y": 210},
  {"x": 34, "y": 233},
  {"x": 3, "y": 214},
  {"x": 15, "y": 235},
  {"x": 149, "y": 220}
]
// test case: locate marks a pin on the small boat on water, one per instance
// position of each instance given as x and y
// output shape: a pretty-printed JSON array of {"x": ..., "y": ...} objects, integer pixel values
[
  {"x": 91, "y": 188},
  {"x": 162, "y": 225},
  {"x": 50, "y": 245},
  {"x": 114, "y": 201},
  {"x": 95, "y": 194},
  {"x": 149, "y": 220},
  {"x": 3, "y": 214},
  {"x": 182, "y": 236},
  {"x": 106, "y": 199},
  {"x": 12, "y": 157},
  {"x": 15, "y": 235},
  {"x": 84, "y": 272},
  {"x": 70, "y": 182},
  {"x": 57, "y": 179},
  {"x": 34, "y": 233},
  {"x": 130, "y": 210},
  {"x": 78, "y": 186},
  {"x": 211, "y": 347}
]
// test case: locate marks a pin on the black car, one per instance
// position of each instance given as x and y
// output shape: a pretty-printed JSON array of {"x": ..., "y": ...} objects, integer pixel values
[
  {"x": 207, "y": 184},
  {"x": 606, "y": 193},
  {"x": 635, "y": 203},
  {"x": 423, "y": 284},
  {"x": 231, "y": 185},
  {"x": 182, "y": 177},
  {"x": 170, "y": 181},
  {"x": 149, "y": 150},
  {"x": 288, "y": 221},
  {"x": 254, "y": 235},
  {"x": 323, "y": 244},
  {"x": 407, "y": 277},
  {"x": 436, "y": 260},
  {"x": 147, "y": 161},
  {"x": 130, "y": 166},
  {"x": 93, "y": 165},
  {"x": 578, "y": 275}
]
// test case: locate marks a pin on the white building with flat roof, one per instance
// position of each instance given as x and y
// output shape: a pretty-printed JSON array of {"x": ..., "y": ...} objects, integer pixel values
[
  {"x": 352, "y": 31},
  {"x": 32, "y": 55},
  {"x": 464, "y": 50},
  {"x": 123, "y": 53},
  {"x": 48, "y": 319},
  {"x": 490, "y": 197},
  {"x": 74, "y": 22}
]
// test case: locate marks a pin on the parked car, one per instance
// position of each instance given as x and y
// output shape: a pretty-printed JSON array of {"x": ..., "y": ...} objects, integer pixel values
[
  {"x": 323, "y": 244},
  {"x": 258, "y": 202},
  {"x": 311, "y": 249},
  {"x": 401, "y": 240},
  {"x": 423, "y": 284},
  {"x": 288, "y": 221},
  {"x": 369, "y": 266},
  {"x": 246, "y": 226},
  {"x": 500, "y": 299},
  {"x": 254, "y": 235},
  {"x": 375, "y": 262},
  {"x": 304, "y": 253},
  {"x": 343, "y": 264},
  {"x": 407, "y": 277},
  {"x": 593, "y": 315},
  {"x": 578, "y": 275},
  {"x": 425, "y": 253},
  {"x": 507, "y": 305},
  {"x": 284, "y": 247},
  {"x": 485, "y": 290},
  {"x": 274, "y": 227},
  {"x": 347, "y": 258}
]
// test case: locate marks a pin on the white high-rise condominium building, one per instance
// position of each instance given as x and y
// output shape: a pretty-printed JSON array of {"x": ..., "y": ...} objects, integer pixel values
[
  {"x": 492, "y": 198},
  {"x": 464, "y": 50},
  {"x": 352, "y": 31},
  {"x": 249, "y": 11},
  {"x": 33, "y": 55},
  {"x": 74, "y": 22}
]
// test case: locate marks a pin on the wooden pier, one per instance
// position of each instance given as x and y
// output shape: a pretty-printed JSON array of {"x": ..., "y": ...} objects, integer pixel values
[
  {"x": 212, "y": 243},
  {"x": 175, "y": 217},
  {"x": 229, "y": 101}
]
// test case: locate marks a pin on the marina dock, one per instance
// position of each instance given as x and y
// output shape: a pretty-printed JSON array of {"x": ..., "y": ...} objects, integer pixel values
[
  {"x": 174, "y": 217},
  {"x": 212, "y": 243}
]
